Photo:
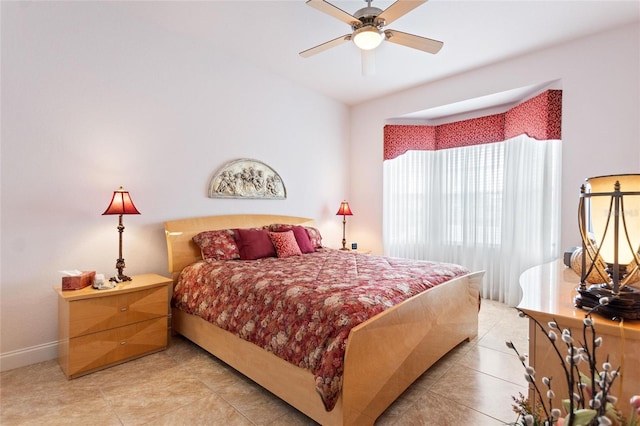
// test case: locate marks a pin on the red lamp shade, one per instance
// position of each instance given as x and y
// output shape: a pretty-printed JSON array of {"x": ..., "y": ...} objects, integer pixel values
[
  {"x": 344, "y": 209},
  {"x": 121, "y": 203}
]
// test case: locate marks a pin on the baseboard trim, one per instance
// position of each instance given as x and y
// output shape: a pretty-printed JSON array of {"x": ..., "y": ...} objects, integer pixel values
[{"x": 27, "y": 356}]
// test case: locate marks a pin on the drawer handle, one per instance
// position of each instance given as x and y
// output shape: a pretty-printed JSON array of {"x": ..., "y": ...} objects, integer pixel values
[
  {"x": 123, "y": 309},
  {"x": 123, "y": 342}
]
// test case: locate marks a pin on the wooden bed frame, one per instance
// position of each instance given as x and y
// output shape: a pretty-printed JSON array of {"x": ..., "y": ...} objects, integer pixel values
[{"x": 384, "y": 354}]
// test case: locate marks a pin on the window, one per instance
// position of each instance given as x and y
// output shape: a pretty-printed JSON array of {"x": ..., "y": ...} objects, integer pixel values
[{"x": 492, "y": 207}]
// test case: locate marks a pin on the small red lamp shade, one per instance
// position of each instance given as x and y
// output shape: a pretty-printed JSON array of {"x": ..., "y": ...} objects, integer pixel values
[
  {"x": 121, "y": 203},
  {"x": 344, "y": 211}
]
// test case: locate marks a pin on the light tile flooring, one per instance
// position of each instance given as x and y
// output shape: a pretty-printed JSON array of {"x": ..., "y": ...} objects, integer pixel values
[{"x": 183, "y": 385}]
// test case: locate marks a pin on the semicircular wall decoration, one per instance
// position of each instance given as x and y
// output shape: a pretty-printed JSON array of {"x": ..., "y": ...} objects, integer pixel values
[{"x": 246, "y": 178}]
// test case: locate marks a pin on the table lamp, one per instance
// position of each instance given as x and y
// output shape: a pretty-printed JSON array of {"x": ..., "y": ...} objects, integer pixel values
[
  {"x": 345, "y": 211},
  {"x": 609, "y": 223},
  {"x": 121, "y": 204}
]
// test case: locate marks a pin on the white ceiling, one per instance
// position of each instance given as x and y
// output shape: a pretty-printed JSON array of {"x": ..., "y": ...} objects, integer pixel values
[{"x": 270, "y": 34}]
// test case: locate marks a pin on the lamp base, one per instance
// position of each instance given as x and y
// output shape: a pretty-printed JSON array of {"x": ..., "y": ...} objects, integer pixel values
[
  {"x": 120, "y": 268},
  {"x": 623, "y": 305}
]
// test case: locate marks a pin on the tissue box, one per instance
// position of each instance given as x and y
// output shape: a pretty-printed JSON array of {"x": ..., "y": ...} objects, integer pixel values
[{"x": 80, "y": 281}]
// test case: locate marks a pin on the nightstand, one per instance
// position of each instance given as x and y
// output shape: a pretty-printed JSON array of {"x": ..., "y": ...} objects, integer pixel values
[
  {"x": 101, "y": 328},
  {"x": 361, "y": 251}
]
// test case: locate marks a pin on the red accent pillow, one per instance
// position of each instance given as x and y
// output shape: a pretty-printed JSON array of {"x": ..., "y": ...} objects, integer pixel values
[
  {"x": 254, "y": 244},
  {"x": 285, "y": 243},
  {"x": 218, "y": 245},
  {"x": 303, "y": 240},
  {"x": 301, "y": 234}
]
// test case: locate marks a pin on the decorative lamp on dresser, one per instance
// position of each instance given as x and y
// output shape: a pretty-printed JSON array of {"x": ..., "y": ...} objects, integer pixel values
[
  {"x": 101, "y": 328},
  {"x": 549, "y": 291}
]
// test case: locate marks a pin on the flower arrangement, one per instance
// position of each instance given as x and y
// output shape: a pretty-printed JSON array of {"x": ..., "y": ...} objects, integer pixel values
[{"x": 590, "y": 402}]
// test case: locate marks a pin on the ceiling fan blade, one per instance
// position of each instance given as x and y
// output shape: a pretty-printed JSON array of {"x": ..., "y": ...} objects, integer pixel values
[
  {"x": 325, "y": 46},
  {"x": 398, "y": 9},
  {"x": 416, "y": 42},
  {"x": 334, "y": 11}
]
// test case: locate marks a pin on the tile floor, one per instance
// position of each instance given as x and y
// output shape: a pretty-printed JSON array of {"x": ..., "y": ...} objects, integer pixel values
[{"x": 183, "y": 385}]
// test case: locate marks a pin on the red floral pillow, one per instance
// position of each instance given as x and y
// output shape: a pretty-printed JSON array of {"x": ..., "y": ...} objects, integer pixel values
[
  {"x": 218, "y": 245},
  {"x": 314, "y": 236},
  {"x": 279, "y": 227},
  {"x": 285, "y": 243}
]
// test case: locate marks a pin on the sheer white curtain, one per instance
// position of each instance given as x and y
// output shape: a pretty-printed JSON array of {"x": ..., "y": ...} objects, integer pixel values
[{"x": 492, "y": 207}]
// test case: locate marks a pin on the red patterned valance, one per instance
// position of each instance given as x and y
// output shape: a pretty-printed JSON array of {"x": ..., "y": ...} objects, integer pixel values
[
  {"x": 539, "y": 118},
  {"x": 471, "y": 132},
  {"x": 399, "y": 139}
]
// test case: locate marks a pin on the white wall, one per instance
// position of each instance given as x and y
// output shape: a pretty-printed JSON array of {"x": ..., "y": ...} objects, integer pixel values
[
  {"x": 600, "y": 119},
  {"x": 92, "y": 100}
]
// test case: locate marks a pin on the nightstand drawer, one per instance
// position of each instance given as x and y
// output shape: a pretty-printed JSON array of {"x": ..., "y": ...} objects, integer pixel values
[
  {"x": 97, "y": 350},
  {"x": 102, "y": 313}
]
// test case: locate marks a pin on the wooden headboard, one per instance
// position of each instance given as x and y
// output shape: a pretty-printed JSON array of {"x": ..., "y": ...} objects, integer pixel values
[{"x": 181, "y": 249}]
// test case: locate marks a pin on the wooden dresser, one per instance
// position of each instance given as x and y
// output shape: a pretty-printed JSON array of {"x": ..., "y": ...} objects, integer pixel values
[
  {"x": 101, "y": 328},
  {"x": 548, "y": 293}
]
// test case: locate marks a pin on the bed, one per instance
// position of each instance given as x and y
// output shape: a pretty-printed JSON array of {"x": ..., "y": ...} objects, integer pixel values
[{"x": 382, "y": 355}]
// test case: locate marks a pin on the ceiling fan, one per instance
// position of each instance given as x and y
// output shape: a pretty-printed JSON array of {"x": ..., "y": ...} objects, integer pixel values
[{"x": 368, "y": 29}]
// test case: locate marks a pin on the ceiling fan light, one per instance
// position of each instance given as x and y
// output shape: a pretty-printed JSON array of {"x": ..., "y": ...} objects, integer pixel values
[{"x": 368, "y": 38}]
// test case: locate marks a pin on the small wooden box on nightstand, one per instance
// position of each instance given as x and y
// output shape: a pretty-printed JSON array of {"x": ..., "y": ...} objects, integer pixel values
[{"x": 101, "y": 328}]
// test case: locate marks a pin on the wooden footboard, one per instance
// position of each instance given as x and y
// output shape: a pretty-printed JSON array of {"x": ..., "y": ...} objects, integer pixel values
[
  {"x": 384, "y": 354},
  {"x": 387, "y": 353}
]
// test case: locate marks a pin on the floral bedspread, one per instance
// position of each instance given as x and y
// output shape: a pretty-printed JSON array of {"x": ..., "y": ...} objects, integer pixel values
[{"x": 302, "y": 308}]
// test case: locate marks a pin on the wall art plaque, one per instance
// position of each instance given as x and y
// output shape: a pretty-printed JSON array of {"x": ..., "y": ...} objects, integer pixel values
[{"x": 246, "y": 178}]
